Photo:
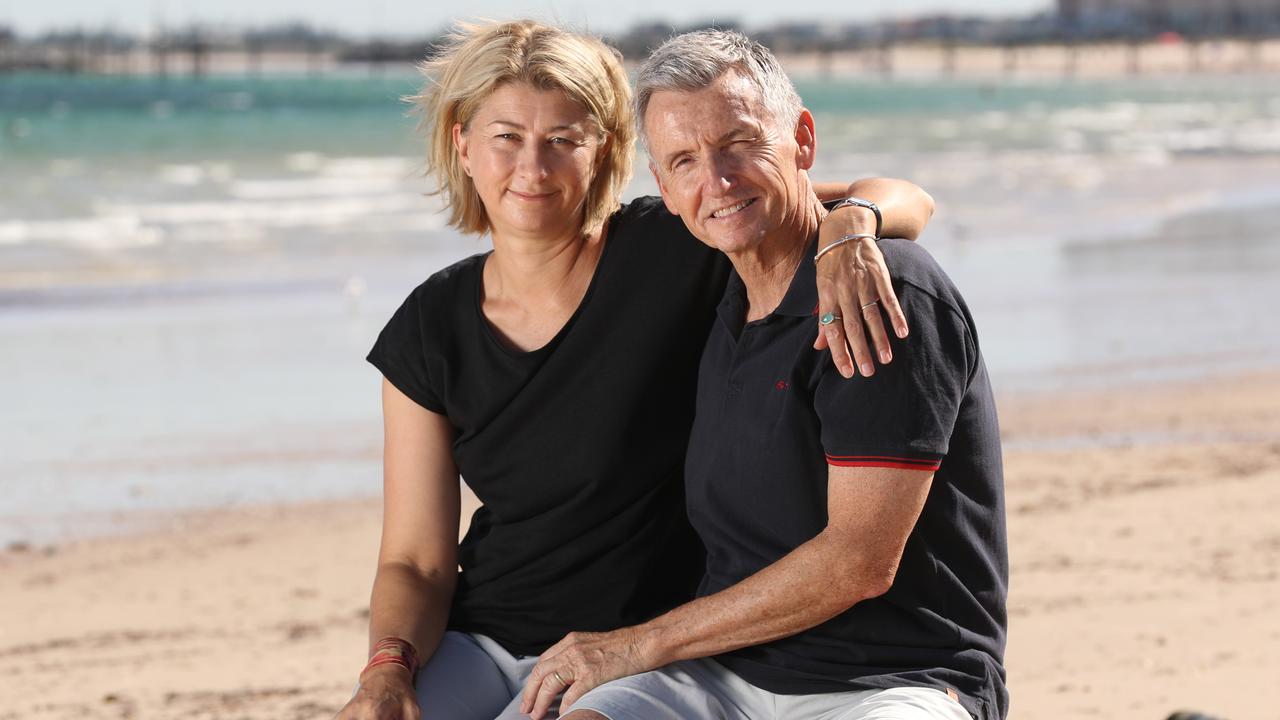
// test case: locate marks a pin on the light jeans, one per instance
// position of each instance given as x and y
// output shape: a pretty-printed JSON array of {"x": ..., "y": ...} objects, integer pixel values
[
  {"x": 471, "y": 677},
  {"x": 706, "y": 689}
]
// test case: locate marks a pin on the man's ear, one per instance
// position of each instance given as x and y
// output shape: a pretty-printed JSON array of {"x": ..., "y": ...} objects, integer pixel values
[
  {"x": 662, "y": 190},
  {"x": 460, "y": 145},
  {"x": 806, "y": 140}
]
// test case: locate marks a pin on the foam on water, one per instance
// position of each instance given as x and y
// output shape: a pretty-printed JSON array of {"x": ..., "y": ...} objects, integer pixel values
[
  {"x": 310, "y": 211},
  {"x": 112, "y": 229},
  {"x": 190, "y": 274}
]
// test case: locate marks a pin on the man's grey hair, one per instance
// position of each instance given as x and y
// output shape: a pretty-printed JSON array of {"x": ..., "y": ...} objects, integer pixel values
[{"x": 694, "y": 60}]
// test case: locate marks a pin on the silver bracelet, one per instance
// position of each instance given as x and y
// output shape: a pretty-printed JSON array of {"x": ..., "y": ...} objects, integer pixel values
[{"x": 843, "y": 239}]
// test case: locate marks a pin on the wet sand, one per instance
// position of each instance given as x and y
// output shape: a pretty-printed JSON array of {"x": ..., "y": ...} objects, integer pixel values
[{"x": 1145, "y": 555}]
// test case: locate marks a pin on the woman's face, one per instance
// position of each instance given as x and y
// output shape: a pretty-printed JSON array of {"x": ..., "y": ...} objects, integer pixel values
[{"x": 532, "y": 155}]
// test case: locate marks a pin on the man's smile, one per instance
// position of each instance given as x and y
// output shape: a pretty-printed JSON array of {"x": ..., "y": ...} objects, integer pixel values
[{"x": 736, "y": 207}]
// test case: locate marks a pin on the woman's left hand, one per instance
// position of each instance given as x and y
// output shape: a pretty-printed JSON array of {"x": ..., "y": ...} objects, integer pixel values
[
  {"x": 854, "y": 286},
  {"x": 578, "y": 663}
]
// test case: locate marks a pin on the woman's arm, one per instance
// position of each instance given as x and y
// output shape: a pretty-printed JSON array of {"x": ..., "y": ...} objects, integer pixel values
[
  {"x": 853, "y": 282},
  {"x": 906, "y": 206},
  {"x": 417, "y": 561}
]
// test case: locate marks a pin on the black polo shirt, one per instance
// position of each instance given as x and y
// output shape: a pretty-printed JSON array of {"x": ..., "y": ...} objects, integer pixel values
[{"x": 772, "y": 413}]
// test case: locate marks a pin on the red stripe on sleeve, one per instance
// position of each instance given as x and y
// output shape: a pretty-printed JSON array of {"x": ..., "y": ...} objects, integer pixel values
[{"x": 883, "y": 462}]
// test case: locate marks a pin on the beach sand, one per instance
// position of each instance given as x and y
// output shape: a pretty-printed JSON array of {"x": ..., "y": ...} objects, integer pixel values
[{"x": 1144, "y": 542}]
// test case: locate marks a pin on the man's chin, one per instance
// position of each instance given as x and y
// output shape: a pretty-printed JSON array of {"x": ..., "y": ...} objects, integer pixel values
[{"x": 732, "y": 243}]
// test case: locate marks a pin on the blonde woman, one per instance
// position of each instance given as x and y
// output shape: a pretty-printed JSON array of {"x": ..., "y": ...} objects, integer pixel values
[{"x": 556, "y": 375}]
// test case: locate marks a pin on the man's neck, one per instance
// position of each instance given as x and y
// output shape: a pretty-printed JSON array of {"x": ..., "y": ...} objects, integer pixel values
[{"x": 768, "y": 269}]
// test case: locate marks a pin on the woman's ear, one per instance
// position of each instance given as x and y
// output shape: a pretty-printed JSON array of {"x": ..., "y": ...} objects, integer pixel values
[{"x": 460, "y": 145}]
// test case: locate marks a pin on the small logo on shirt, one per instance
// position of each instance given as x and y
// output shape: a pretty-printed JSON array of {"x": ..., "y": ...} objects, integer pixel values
[{"x": 781, "y": 385}]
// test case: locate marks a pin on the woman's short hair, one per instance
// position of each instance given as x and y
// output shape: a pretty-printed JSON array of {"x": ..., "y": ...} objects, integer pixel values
[{"x": 477, "y": 59}]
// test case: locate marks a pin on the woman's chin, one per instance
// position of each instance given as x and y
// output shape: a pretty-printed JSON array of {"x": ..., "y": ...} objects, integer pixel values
[{"x": 550, "y": 225}]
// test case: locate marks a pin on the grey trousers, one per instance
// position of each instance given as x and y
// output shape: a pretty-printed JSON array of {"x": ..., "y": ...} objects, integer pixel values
[{"x": 471, "y": 677}]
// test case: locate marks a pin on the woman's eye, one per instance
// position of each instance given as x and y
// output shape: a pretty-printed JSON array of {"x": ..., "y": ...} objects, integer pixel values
[{"x": 507, "y": 136}]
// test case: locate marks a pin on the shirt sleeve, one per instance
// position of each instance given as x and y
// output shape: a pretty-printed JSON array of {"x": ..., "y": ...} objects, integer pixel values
[
  {"x": 903, "y": 416},
  {"x": 400, "y": 352}
]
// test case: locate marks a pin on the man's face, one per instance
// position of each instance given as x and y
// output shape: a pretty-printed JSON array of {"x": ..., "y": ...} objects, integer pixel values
[{"x": 724, "y": 165}]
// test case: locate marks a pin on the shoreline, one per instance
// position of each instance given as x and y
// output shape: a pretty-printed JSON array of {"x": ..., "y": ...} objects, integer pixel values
[
  {"x": 1145, "y": 578},
  {"x": 1030, "y": 431},
  {"x": 1051, "y": 328}
]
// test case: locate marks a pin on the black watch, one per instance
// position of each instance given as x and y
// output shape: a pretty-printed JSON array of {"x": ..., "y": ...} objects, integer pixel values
[{"x": 859, "y": 202}]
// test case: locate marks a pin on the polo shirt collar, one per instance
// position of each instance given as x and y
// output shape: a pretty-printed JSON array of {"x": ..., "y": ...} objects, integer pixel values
[{"x": 800, "y": 300}]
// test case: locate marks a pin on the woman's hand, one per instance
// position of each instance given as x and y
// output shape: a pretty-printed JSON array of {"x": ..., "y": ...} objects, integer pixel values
[
  {"x": 854, "y": 286},
  {"x": 386, "y": 693},
  {"x": 578, "y": 663}
]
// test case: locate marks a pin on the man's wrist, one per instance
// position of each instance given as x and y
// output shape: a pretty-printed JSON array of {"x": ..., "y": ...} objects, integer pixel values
[{"x": 653, "y": 643}]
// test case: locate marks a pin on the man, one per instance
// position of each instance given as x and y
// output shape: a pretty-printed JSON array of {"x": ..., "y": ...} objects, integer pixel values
[{"x": 855, "y": 533}]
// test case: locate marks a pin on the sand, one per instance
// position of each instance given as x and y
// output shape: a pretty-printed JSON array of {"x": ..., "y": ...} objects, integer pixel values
[{"x": 1145, "y": 553}]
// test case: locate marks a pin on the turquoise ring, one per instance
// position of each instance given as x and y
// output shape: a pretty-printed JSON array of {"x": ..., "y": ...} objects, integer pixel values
[{"x": 828, "y": 318}]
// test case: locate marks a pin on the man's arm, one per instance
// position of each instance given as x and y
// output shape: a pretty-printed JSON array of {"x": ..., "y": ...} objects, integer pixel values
[{"x": 871, "y": 512}]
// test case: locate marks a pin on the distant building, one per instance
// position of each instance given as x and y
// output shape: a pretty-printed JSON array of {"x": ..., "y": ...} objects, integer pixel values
[{"x": 1185, "y": 16}]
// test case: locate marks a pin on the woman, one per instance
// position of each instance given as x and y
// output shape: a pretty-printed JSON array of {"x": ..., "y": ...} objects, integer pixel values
[{"x": 556, "y": 374}]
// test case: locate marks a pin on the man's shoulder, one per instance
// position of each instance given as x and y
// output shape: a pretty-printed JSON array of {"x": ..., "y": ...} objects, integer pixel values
[
  {"x": 911, "y": 262},
  {"x": 912, "y": 265}
]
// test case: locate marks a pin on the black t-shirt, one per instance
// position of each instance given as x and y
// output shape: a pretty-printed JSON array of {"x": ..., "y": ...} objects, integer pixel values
[
  {"x": 576, "y": 449},
  {"x": 772, "y": 413}
]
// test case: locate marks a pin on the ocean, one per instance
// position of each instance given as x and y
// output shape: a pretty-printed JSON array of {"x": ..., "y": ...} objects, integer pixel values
[{"x": 191, "y": 270}]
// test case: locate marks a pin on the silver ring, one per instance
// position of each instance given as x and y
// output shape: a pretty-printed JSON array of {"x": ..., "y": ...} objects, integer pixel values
[
  {"x": 873, "y": 302},
  {"x": 828, "y": 318}
]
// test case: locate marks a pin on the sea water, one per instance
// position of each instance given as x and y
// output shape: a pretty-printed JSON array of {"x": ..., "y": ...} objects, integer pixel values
[{"x": 191, "y": 270}]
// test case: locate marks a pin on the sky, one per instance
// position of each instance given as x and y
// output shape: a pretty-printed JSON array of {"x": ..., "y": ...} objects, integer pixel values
[{"x": 418, "y": 17}]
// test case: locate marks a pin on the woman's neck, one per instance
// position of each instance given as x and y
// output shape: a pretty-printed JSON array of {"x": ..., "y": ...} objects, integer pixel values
[
  {"x": 531, "y": 289},
  {"x": 539, "y": 270}
]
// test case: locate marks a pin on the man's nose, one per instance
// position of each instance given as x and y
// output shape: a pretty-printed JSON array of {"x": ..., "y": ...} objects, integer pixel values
[{"x": 719, "y": 175}]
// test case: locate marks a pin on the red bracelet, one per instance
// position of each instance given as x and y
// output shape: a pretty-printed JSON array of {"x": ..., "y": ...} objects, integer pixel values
[{"x": 393, "y": 651}]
